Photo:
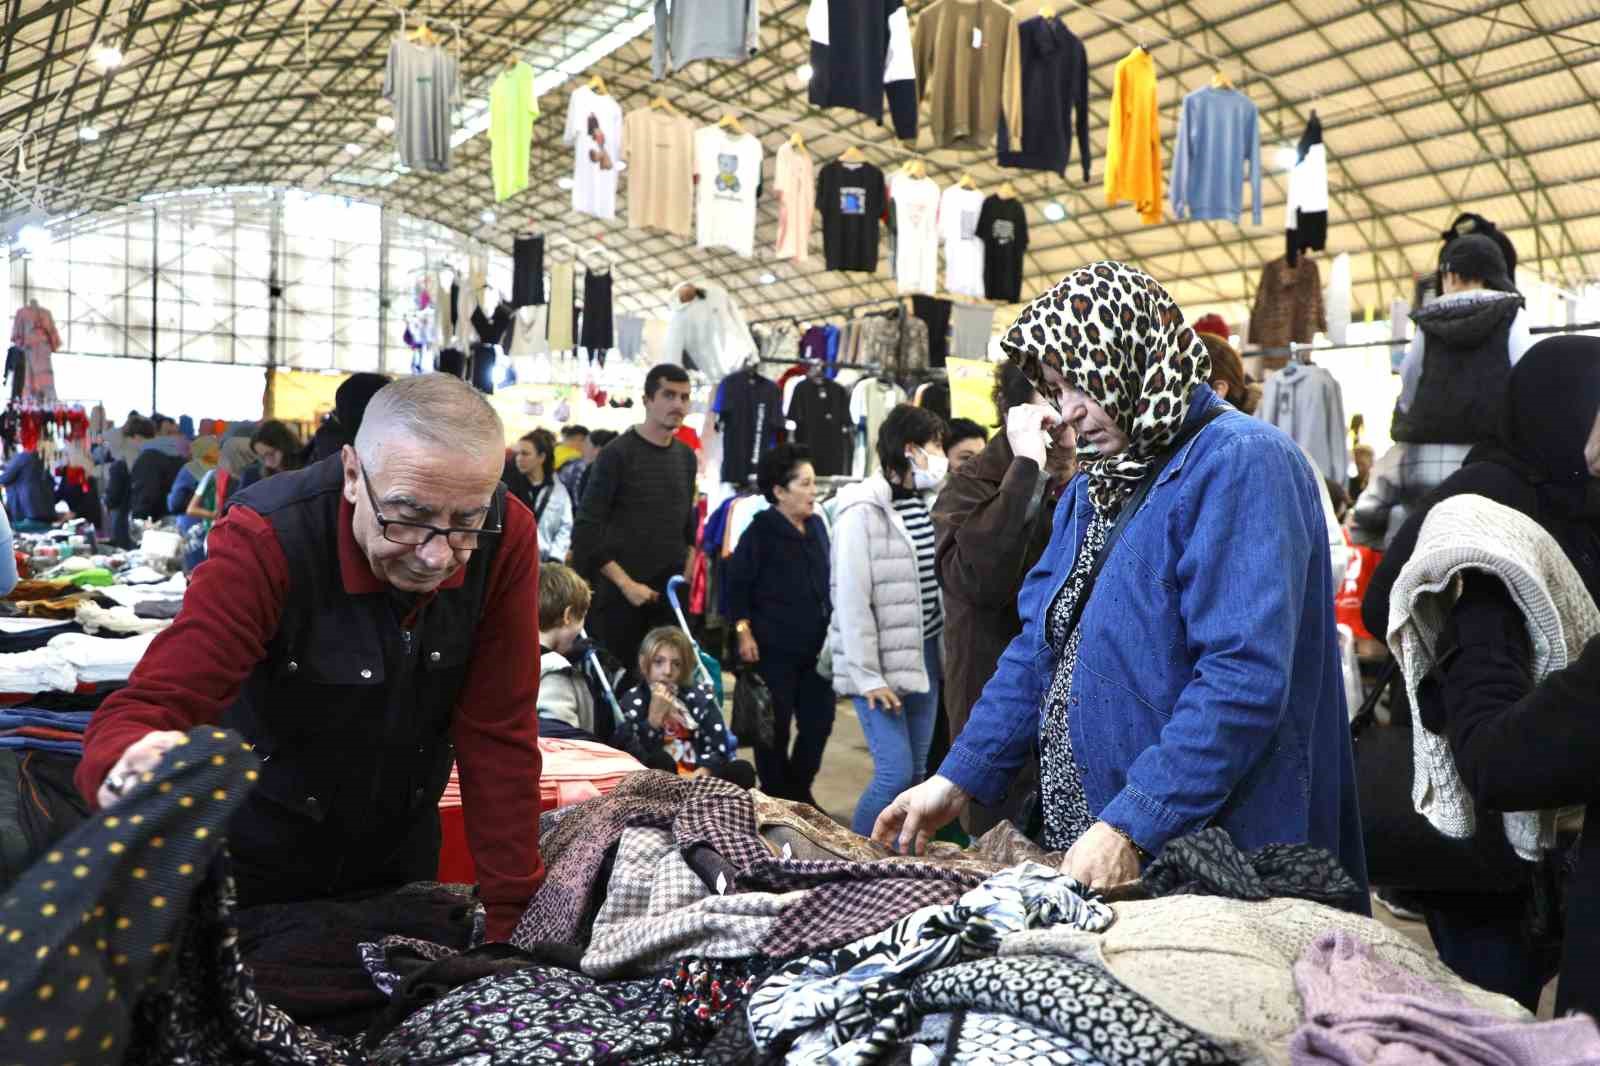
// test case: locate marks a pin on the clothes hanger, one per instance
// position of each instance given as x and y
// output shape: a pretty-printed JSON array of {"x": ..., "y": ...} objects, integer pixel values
[
  {"x": 1046, "y": 11},
  {"x": 598, "y": 84},
  {"x": 730, "y": 122},
  {"x": 797, "y": 142},
  {"x": 1007, "y": 191},
  {"x": 422, "y": 34},
  {"x": 853, "y": 155},
  {"x": 967, "y": 181},
  {"x": 661, "y": 103},
  {"x": 1219, "y": 80}
]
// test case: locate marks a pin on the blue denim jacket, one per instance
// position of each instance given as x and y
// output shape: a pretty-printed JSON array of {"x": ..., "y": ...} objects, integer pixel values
[{"x": 1207, "y": 686}]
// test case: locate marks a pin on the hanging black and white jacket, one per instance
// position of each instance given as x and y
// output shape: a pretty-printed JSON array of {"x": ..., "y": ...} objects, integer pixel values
[
  {"x": 1306, "y": 211},
  {"x": 860, "y": 50}
]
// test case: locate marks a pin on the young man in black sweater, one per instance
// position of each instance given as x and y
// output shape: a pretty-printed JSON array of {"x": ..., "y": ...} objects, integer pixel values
[{"x": 636, "y": 524}]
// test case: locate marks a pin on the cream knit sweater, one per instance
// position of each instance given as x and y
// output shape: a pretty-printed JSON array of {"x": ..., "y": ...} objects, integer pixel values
[
  {"x": 1225, "y": 967},
  {"x": 1475, "y": 533}
]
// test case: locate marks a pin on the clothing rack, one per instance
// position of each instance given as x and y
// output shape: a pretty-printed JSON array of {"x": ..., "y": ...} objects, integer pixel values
[
  {"x": 1294, "y": 349},
  {"x": 834, "y": 312},
  {"x": 869, "y": 368}
]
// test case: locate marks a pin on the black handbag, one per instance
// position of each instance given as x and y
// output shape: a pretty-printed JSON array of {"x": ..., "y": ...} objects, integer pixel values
[
  {"x": 1403, "y": 850},
  {"x": 754, "y": 721}
]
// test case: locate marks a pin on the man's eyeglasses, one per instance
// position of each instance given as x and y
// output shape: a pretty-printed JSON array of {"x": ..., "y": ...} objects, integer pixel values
[{"x": 416, "y": 534}]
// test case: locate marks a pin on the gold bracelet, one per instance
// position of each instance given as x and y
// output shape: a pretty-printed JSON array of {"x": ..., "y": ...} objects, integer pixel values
[
  {"x": 742, "y": 628},
  {"x": 1123, "y": 833}
]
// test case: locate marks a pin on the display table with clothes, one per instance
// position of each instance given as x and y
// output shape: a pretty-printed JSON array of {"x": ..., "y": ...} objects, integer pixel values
[{"x": 687, "y": 920}]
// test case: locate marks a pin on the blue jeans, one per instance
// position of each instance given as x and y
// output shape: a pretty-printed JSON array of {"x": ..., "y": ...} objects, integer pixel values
[{"x": 899, "y": 743}]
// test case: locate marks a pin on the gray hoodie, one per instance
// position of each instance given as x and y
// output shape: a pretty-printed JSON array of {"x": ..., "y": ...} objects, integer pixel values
[{"x": 1307, "y": 403}]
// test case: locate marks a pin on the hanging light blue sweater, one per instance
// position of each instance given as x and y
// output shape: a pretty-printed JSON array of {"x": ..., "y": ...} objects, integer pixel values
[{"x": 1218, "y": 132}]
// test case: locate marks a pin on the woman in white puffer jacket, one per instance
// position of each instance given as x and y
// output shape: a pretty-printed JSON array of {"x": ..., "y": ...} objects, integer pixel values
[{"x": 887, "y": 611}]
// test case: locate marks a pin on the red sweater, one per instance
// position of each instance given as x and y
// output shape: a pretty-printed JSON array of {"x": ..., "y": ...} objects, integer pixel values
[{"x": 194, "y": 670}]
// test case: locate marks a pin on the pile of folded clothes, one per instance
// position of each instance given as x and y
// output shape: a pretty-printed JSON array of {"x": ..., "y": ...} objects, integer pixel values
[{"x": 66, "y": 643}]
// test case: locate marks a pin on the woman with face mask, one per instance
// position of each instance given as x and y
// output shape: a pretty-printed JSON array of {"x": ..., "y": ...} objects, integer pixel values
[
  {"x": 1178, "y": 665},
  {"x": 887, "y": 611}
]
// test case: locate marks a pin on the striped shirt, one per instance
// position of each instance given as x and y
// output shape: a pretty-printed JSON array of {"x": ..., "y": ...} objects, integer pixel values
[{"x": 919, "y": 524}]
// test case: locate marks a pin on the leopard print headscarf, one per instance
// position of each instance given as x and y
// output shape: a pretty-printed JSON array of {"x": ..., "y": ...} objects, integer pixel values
[{"x": 1113, "y": 332}]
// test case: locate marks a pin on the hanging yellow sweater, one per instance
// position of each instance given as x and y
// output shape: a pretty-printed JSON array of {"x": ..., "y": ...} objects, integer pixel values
[{"x": 1133, "y": 151}]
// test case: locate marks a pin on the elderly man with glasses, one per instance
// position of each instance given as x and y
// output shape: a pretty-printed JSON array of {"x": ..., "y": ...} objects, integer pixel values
[{"x": 362, "y": 622}]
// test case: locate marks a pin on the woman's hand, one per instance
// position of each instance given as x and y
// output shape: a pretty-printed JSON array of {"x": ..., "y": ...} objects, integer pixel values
[
  {"x": 918, "y": 813},
  {"x": 885, "y": 696},
  {"x": 1102, "y": 858},
  {"x": 749, "y": 652},
  {"x": 1028, "y": 428}
]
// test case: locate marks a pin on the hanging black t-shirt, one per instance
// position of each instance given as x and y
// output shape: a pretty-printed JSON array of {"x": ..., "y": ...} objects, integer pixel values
[
  {"x": 852, "y": 199},
  {"x": 820, "y": 411},
  {"x": 1003, "y": 229},
  {"x": 936, "y": 314},
  {"x": 748, "y": 411}
]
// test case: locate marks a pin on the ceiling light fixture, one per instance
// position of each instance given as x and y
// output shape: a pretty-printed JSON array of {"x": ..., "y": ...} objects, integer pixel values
[
  {"x": 768, "y": 278},
  {"x": 804, "y": 73},
  {"x": 1054, "y": 210},
  {"x": 488, "y": 217},
  {"x": 353, "y": 148},
  {"x": 108, "y": 57},
  {"x": 565, "y": 183},
  {"x": 88, "y": 133},
  {"x": 386, "y": 123},
  {"x": 34, "y": 239}
]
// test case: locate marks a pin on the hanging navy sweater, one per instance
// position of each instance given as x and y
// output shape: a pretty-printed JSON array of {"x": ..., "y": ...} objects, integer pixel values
[{"x": 1055, "y": 85}]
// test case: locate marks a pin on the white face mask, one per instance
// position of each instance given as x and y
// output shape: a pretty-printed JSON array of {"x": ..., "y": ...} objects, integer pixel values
[{"x": 926, "y": 480}]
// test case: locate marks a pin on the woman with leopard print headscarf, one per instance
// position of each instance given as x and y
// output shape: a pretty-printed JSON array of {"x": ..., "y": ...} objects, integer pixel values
[{"x": 1195, "y": 680}]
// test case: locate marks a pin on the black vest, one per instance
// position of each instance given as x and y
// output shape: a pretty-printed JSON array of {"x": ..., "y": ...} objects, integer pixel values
[
  {"x": 349, "y": 711},
  {"x": 1466, "y": 369}
]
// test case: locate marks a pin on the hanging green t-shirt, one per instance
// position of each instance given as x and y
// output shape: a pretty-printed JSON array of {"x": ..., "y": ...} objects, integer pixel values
[{"x": 512, "y": 109}]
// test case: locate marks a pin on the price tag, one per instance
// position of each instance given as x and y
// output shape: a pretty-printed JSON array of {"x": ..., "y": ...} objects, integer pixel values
[
  {"x": 722, "y": 884},
  {"x": 977, "y": 37}
]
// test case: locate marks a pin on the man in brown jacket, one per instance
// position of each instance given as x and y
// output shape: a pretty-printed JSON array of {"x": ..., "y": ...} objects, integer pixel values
[{"x": 993, "y": 521}]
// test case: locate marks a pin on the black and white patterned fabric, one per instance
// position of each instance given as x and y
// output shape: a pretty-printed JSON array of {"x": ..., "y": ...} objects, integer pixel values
[
  {"x": 1062, "y": 800},
  {"x": 849, "y": 1007},
  {"x": 1077, "y": 1001},
  {"x": 1209, "y": 863},
  {"x": 919, "y": 523},
  {"x": 542, "y": 1014},
  {"x": 983, "y": 1038}
]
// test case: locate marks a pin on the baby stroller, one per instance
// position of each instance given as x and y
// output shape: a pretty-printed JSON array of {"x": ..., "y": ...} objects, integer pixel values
[{"x": 708, "y": 671}]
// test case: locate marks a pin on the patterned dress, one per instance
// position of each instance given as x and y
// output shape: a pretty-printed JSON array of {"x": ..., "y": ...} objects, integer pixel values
[
  {"x": 34, "y": 331},
  {"x": 1066, "y": 810}
]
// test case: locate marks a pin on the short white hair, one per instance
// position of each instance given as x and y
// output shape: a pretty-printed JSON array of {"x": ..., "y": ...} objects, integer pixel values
[{"x": 435, "y": 409}]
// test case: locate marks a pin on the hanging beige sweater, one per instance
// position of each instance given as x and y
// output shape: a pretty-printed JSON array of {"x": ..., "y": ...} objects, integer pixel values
[{"x": 969, "y": 70}]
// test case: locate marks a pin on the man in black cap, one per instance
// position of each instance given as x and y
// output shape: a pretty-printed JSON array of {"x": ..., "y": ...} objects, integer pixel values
[
  {"x": 1454, "y": 375},
  {"x": 349, "y": 404}
]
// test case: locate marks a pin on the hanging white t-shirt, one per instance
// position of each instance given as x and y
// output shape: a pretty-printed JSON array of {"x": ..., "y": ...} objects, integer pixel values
[
  {"x": 963, "y": 251},
  {"x": 727, "y": 172},
  {"x": 594, "y": 129},
  {"x": 916, "y": 210}
]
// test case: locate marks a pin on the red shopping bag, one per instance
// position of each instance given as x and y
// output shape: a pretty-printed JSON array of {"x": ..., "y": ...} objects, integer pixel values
[{"x": 1357, "y": 576}]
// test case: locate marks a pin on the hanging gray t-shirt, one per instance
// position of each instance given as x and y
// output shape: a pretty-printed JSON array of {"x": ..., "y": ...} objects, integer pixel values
[
  {"x": 687, "y": 30},
  {"x": 420, "y": 81},
  {"x": 971, "y": 327}
]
